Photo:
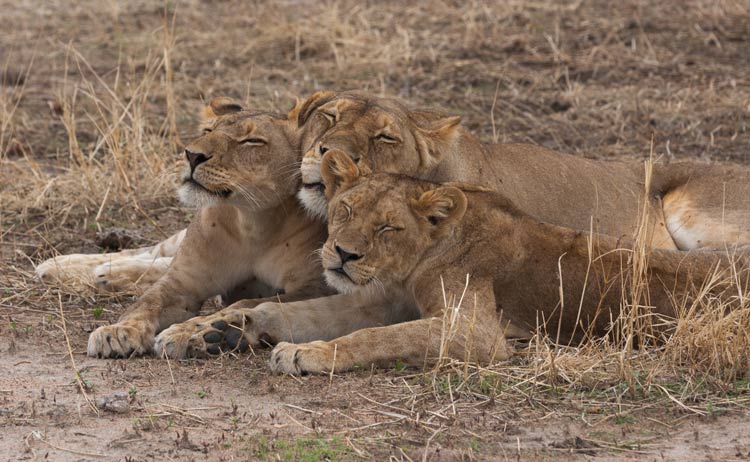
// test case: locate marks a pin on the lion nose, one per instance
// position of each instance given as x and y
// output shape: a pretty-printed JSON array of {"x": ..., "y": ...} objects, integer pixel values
[
  {"x": 347, "y": 256},
  {"x": 195, "y": 159}
]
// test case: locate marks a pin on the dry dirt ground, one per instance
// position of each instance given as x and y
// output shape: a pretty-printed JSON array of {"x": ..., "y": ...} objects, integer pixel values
[{"x": 97, "y": 97}]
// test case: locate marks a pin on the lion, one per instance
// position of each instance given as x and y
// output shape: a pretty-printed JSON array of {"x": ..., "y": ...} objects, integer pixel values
[
  {"x": 691, "y": 205},
  {"x": 421, "y": 239},
  {"x": 687, "y": 205},
  {"x": 250, "y": 229},
  {"x": 135, "y": 270}
]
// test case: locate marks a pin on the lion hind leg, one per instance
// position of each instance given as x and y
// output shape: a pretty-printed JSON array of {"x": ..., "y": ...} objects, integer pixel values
[
  {"x": 130, "y": 274},
  {"x": 82, "y": 269},
  {"x": 696, "y": 225},
  {"x": 73, "y": 269}
]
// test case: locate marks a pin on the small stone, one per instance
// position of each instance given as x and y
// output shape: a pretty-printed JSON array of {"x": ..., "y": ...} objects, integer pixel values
[{"x": 118, "y": 402}]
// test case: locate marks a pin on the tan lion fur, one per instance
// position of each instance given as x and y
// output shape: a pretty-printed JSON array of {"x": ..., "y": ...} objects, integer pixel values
[
  {"x": 705, "y": 205},
  {"x": 249, "y": 229},
  {"x": 686, "y": 208},
  {"x": 415, "y": 237}
]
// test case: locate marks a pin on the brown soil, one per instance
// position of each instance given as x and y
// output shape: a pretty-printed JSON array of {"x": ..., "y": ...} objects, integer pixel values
[{"x": 232, "y": 409}]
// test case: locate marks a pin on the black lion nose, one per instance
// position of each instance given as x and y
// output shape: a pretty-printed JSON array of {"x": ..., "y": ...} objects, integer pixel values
[
  {"x": 347, "y": 256},
  {"x": 195, "y": 159}
]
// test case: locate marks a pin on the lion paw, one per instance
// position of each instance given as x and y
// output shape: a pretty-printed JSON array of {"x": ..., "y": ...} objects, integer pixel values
[
  {"x": 130, "y": 273},
  {"x": 121, "y": 340},
  {"x": 205, "y": 336},
  {"x": 69, "y": 269},
  {"x": 302, "y": 359}
]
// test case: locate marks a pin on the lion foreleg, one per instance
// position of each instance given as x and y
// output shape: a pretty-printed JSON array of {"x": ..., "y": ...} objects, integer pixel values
[
  {"x": 472, "y": 335},
  {"x": 199, "y": 270},
  {"x": 250, "y": 324}
]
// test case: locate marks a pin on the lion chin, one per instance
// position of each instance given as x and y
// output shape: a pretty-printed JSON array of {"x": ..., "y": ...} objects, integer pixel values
[
  {"x": 314, "y": 202},
  {"x": 342, "y": 284},
  {"x": 192, "y": 195}
]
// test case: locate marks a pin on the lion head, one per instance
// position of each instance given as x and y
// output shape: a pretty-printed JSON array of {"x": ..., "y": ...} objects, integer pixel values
[
  {"x": 380, "y": 134},
  {"x": 244, "y": 158},
  {"x": 381, "y": 225}
]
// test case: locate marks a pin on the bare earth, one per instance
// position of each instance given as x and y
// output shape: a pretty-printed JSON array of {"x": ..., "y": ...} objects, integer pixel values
[
  {"x": 232, "y": 409},
  {"x": 98, "y": 98}
]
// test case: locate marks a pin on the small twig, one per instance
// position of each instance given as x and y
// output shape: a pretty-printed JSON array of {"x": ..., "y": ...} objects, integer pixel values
[
  {"x": 150, "y": 220},
  {"x": 169, "y": 366},
  {"x": 81, "y": 385},
  {"x": 299, "y": 423},
  {"x": 365, "y": 427},
  {"x": 427, "y": 445},
  {"x": 396, "y": 408},
  {"x": 37, "y": 436},
  {"x": 360, "y": 453},
  {"x": 333, "y": 366},
  {"x": 309, "y": 411},
  {"x": 101, "y": 207},
  {"x": 678, "y": 402},
  {"x": 492, "y": 113},
  {"x": 185, "y": 413}
]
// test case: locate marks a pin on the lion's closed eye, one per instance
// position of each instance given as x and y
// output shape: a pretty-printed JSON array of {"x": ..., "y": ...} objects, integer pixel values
[
  {"x": 385, "y": 228},
  {"x": 331, "y": 118},
  {"x": 343, "y": 212},
  {"x": 387, "y": 138},
  {"x": 254, "y": 141}
]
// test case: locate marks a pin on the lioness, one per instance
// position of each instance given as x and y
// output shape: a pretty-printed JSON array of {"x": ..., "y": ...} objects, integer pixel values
[
  {"x": 416, "y": 237},
  {"x": 690, "y": 205},
  {"x": 134, "y": 270},
  {"x": 250, "y": 227}
]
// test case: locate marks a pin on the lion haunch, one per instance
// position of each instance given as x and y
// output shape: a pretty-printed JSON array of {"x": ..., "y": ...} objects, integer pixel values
[{"x": 417, "y": 238}]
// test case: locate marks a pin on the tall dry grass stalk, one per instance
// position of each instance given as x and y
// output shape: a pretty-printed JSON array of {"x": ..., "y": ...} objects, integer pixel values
[
  {"x": 169, "y": 43},
  {"x": 130, "y": 158},
  {"x": 704, "y": 349},
  {"x": 12, "y": 90},
  {"x": 633, "y": 330}
]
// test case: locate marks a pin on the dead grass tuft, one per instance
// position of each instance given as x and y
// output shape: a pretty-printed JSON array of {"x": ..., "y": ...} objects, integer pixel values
[{"x": 700, "y": 356}]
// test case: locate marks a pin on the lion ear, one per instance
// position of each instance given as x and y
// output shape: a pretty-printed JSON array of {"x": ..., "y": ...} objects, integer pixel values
[
  {"x": 224, "y": 105},
  {"x": 218, "y": 107},
  {"x": 338, "y": 172},
  {"x": 293, "y": 113},
  {"x": 434, "y": 134},
  {"x": 309, "y": 105},
  {"x": 442, "y": 206}
]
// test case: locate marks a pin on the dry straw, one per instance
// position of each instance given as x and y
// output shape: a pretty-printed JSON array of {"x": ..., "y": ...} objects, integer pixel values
[{"x": 703, "y": 351}]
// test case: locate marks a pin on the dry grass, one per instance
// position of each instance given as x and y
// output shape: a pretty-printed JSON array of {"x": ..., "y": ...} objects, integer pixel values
[
  {"x": 696, "y": 362},
  {"x": 96, "y": 99}
]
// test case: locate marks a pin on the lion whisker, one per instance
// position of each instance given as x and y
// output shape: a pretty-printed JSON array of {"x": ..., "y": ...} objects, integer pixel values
[
  {"x": 378, "y": 284},
  {"x": 247, "y": 195},
  {"x": 317, "y": 257}
]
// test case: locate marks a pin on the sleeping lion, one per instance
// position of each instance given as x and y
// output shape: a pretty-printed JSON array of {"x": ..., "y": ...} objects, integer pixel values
[{"x": 422, "y": 239}]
